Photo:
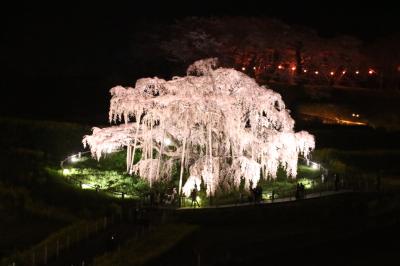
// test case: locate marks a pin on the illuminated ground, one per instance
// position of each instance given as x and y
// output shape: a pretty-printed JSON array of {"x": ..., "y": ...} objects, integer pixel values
[
  {"x": 103, "y": 175},
  {"x": 108, "y": 175}
]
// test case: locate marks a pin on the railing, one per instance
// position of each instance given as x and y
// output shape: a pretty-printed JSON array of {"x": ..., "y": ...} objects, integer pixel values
[{"x": 72, "y": 157}]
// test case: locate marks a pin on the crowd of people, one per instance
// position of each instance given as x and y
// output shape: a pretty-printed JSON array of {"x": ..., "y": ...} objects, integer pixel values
[{"x": 254, "y": 194}]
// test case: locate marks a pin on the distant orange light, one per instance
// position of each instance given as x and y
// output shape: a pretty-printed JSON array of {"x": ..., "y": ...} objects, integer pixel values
[
  {"x": 316, "y": 72},
  {"x": 344, "y": 72},
  {"x": 243, "y": 68},
  {"x": 280, "y": 67},
  {"x": 357, "y": 72},
  {"x": 371, "y": 71},
  {"x": 293, "y": 68},
  {"x": 332, "y": 73},
  {"x": 305, "y": 70},
  {"x": 254, "y": 68}
]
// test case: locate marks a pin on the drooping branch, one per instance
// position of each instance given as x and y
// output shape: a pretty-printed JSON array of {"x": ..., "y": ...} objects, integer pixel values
[
  {"x": 202, "y": 120},
  {"x": 182, "y": 158}
]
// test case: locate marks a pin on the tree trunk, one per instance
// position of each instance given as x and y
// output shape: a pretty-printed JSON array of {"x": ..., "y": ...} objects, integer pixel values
[
  {"x": 151, "y": 153},
  {"x": 210, "y": 149},
  {"x": 182, "y": 161},
  {"x": 135, "y": 143},
  {"x": 160, "y": 155},
  {"x": 128, "y": 157}
]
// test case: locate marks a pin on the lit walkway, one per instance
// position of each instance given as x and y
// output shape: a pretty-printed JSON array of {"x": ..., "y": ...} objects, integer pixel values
[{"x": 278, "y": 200}]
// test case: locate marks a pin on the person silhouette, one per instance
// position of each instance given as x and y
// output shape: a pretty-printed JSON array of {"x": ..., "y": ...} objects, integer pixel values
[
  {"x": 302, "y": 191},
  {"x": 336, "y": 182},
  {"x": 298, "y": 191},
  {"x": 258, "y": 193},
  {"x": 252, "y": 192},
  {"x": 193, "y": 195},
  {"x": 173, "y": 195}
]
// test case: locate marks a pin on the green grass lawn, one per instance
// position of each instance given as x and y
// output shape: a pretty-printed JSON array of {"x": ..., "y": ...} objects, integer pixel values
[
  {"x": 36, "y": 202},
  {"x": 108, "y": 175}
]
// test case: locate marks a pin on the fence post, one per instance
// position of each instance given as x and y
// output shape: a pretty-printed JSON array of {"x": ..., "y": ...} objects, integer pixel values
[
  {"x": 198, "y": 258},
  {"x": 77, "y": 235},
  {"x": 45, "y": 254},
  {"x": 105, "y": 222},
  {"x": 57, "y": 248}
]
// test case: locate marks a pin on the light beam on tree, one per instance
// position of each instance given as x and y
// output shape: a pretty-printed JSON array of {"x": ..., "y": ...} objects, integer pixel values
[{"x": 220, "y": 124}]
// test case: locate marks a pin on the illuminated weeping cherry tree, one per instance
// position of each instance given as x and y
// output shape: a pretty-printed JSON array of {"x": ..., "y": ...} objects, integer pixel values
[{"x": 216, "y": 122}]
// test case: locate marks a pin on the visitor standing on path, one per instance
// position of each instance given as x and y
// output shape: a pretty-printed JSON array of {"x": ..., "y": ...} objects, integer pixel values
[
  {"x": 193, "y": 195},
  {"x": 336, "y": 182}
]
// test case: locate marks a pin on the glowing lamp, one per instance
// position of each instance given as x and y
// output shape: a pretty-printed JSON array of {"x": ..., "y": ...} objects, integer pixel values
[
  {"x": 371, "y": 71},
  {"x": 344, "y": 72},
  {"x": 254, "y": 68},
  {"x": 316, "y": 72},
  {"x": 66, "y": 171},
  {"x": 293, "y": 68},
  {"x": 86, "y": 186},
  {"x": 243, "y": 68},
  {"x": 74, "y": 159},
  {"x": 332, "y": 73},
  {"x": 167, "y": 141},
  {"x": 357, "y": 72},
  {"x": 305, "y": 70},
  {"x": 280, "y": 67}
]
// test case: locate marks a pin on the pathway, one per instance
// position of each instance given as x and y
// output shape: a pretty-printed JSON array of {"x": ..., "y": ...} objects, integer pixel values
[{"x": 278, "y": 200}]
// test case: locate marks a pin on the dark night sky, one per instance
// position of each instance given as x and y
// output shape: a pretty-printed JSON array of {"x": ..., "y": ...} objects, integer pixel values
[{"x": 42, "y": 46}]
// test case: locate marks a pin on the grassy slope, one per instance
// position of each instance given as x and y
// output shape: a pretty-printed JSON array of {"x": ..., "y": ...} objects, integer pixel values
[
  {"x": 163, "y": 239},
  {"x": 34, "y": 203}
]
